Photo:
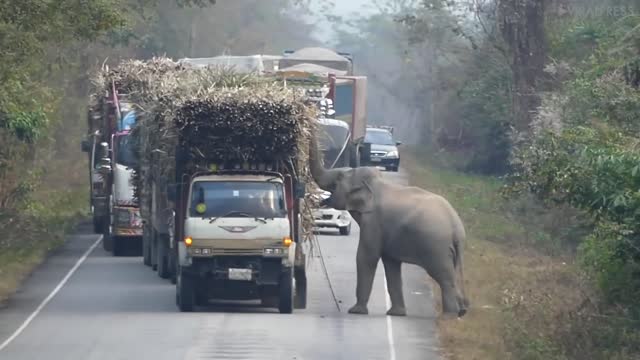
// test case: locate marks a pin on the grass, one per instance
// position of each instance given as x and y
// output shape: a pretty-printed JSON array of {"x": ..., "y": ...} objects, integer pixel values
[
  {"x": 522, "y": 285},
  {"x": 30, "y": 236}
]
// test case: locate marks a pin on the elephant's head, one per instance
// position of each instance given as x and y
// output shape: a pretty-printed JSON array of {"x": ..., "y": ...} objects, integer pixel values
[{"x": 351, "y": 188}]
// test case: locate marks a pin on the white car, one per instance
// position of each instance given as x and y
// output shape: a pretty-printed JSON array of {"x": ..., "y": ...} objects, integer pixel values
[{"x": 331, "y": 218}]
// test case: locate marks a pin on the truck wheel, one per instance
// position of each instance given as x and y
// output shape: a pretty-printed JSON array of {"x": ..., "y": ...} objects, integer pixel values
[
  {"x": 119, "y": 245},
  {"x": 107, "y": 242},
  {"x": 154, "y": 250},
  {"x": 185, "y": 292},
  {"x": 285, "y": 301},
  {"x": 300, "y": 299},
  {"x": 173, "y": 265},
  {"x": 146, "y": 248},
  {"x": 98, "y": 226},
  {"x": 163, "y": 266},
  {"x": 201, "y": 296},
  {"x": 346, "y": 230}
]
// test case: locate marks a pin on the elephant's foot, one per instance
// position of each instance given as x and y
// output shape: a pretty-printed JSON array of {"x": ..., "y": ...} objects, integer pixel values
[
  {"x": 449, "y": 316},
  {"x": 397, "y": 311},
  {"x": 359, "y": 309}
]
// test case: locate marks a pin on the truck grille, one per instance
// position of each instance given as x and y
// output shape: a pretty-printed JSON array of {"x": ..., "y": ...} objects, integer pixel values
[
  {"x": 237, "y": 251},
  {"x": 327, "y": 217}
]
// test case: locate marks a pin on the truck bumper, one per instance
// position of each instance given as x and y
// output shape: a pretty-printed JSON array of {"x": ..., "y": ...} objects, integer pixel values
[
  {"x": 236, "y": 277},
  {"x": 127, "y": 232}
]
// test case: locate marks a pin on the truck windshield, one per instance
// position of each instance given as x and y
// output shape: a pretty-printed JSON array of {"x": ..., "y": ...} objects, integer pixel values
[
  {"x": 332, "y": 141},
  {"x": 260, "y": 199},
  {"x": 124, "y": 150},
  {"x": 379, "y": 137}
]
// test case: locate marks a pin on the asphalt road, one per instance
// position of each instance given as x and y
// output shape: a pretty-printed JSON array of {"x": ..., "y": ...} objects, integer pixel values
[{"x": 84, "y": 304}]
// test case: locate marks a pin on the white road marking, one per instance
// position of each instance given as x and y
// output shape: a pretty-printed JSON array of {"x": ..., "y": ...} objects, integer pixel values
[
  {"x": 51, "y": 295},
  {"x": 392, "y": 345}
]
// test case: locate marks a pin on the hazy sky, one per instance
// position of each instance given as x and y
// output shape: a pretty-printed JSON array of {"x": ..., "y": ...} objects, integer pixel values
[{"x": 343, "y": 8}]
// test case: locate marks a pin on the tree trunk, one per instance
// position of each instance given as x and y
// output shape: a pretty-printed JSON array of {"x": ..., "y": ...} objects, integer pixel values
[{"x": 522, "y": 27}]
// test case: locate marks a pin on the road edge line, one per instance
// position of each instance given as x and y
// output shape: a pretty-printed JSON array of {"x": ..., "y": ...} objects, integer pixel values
[
  {"x": 392, "y": 345},
  {"x": 50, "y": 296}
]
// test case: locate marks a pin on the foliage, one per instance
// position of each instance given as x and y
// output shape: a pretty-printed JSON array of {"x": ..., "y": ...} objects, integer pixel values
[{"x": 590, "y": 158}]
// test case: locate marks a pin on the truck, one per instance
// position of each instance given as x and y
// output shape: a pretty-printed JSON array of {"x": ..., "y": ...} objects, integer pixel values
[
  {"x": 326, "y": 75},
  {"x": 115, "y": 212},
  {"x": 332, "y": 74},
  {"x": 238, "y": 233}
]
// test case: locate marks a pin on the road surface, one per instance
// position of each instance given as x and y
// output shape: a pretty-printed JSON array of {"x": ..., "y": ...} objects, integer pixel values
[{"x": 84, "y": 304}]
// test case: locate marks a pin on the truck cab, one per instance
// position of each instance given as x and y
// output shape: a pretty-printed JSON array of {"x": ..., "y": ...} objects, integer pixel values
[
  {"x": 239, "y": 239},
  {"x": 125, "y": 222}
]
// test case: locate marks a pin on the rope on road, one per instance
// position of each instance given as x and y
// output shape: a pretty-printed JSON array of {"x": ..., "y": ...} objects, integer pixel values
[
  {"x": 323, "y": 264},
  {"x": 326, "y": 274}
]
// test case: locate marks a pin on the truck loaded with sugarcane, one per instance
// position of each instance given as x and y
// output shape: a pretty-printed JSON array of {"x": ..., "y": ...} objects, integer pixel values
[
  {"x": 328, "y": 77},
  {"x": 116, "y": 214},
  {"x": 221, "y": 180}
]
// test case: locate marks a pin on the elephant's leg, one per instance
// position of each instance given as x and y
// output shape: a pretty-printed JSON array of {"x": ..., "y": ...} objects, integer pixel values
[
  {"x": 393, "y": 273},
  {"x": 366, "y": 264},
  {"x": 444, "y": 275}
]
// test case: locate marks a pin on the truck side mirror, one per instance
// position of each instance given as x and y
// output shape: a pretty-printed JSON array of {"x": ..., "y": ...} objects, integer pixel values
[
  {"x": 300, "y": 190},
  {"x": 398, "y": 143},
  {"x": 86, "y": 146},
  {"x": 171, "y": 192},
  {"x": 103, "y": 150}
]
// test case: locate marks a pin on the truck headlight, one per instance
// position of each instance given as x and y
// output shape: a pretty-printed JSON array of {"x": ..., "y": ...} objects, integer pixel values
[{"x": 392, "y": 154}]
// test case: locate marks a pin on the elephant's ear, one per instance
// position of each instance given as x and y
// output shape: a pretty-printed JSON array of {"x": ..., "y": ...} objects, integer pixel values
[{"x": 360, "y": 199}]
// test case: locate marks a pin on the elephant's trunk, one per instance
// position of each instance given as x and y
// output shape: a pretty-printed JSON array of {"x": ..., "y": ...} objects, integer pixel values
[{"x": 324, "y": 178}]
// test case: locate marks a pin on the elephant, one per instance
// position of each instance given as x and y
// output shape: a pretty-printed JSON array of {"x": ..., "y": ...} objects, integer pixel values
[{"x": 398, "y": 224}]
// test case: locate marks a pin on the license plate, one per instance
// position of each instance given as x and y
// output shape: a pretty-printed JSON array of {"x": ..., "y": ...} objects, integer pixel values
[
  {"x": 375, "y": 159},
  {"x": 240, "y": 274}
]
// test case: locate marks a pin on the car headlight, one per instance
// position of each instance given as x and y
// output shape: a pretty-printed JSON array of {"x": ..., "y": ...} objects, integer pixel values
[{"x": 392, "y": 154}]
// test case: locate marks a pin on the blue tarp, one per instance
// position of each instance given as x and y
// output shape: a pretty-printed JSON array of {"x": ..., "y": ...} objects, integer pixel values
[{"x": 128, "y": 121}]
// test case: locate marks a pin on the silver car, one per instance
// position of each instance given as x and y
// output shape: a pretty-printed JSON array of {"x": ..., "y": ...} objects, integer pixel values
[{"x": 325, "y": 217}]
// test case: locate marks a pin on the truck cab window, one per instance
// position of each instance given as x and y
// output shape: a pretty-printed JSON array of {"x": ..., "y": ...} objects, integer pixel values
[{"x": 259, "y": 199}]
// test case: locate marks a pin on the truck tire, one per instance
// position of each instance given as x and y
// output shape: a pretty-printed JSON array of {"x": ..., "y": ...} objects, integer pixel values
[
  {"x": 107, "y": 243},
  {"x": 146, "y": 247},
  {"x": 119, "y": 245},
  {"x": 285, "y": 298},
  {"x": 163, "y": 258},
  {"x": 98, "y": 225},
  {"x": 173, "y": 265},
  {"x": 300, "y": 299},
  {"x": 201, "y": 296},
  {"x": 154, "y": 250},
  {"x": 185, "y": 292}
]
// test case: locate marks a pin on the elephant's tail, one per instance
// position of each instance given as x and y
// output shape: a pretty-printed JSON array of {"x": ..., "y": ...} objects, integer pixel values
[{"x": 458, "y": 262}]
